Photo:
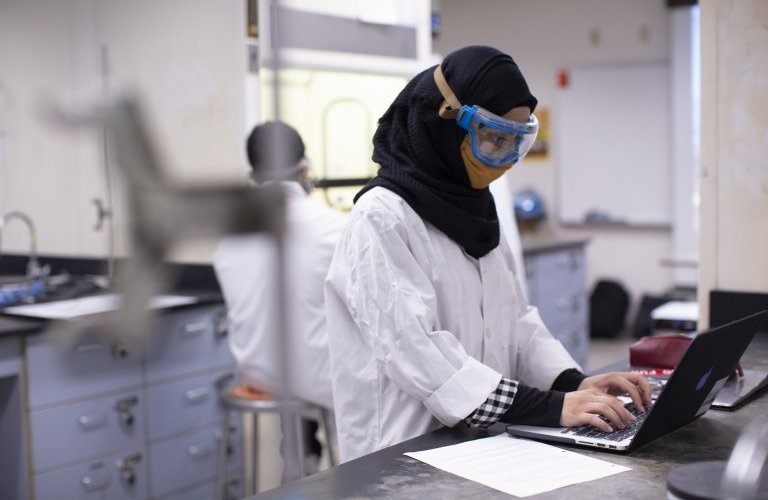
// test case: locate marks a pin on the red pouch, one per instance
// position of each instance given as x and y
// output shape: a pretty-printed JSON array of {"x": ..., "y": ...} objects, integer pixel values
[{"x": 664, "y": 351}]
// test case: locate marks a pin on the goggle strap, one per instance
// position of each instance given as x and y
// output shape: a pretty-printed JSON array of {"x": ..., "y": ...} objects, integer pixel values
[{"x": 450, "y": 105}]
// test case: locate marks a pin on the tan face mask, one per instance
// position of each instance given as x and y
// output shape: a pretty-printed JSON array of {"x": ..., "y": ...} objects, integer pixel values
[{"x": 480, "y": 174}]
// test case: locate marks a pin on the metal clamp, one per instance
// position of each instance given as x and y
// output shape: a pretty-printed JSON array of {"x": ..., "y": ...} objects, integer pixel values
[
  {"x": 127, "y": 468},
  {"x": 124, "y": 409},
  {"x": 741, "y": 478},
  {"x": 120, "y": 350}
]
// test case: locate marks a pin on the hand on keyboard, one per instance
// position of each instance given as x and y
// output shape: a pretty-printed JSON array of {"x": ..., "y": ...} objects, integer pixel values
[
  {"x": 634, "y": 385},
  {"x": 615, "y": 435},
  {"x": 587, "y": 406}
]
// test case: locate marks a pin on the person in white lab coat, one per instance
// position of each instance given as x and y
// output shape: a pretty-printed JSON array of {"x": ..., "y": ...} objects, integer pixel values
[
  {"x": 503, "y": 199},
  {"x": 245, "y": 268},
  {"x": 427, "y": 323}
]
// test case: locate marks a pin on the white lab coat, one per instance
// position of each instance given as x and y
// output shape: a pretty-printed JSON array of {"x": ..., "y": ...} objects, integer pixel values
[
  {"x": 502, "y": 196},
  {"x": 245, "y": 267},
  {"x": 421, "y": 333}
]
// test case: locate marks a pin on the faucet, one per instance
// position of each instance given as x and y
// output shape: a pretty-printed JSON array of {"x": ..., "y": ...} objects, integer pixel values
[{"x": 33, "y": 268}]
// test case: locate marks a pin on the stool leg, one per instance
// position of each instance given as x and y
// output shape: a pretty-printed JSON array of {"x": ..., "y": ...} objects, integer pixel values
[
  {"x": 300, "y": 448},
  {"x": 329, "y": 426},
  {"x": 254, "y": 454},
  {"x": 291, "y": 445},
  {"x": 221, "y": 475}
]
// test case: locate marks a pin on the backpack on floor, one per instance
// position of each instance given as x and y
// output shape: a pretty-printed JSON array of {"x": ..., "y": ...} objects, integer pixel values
[{"x": 608, "y": 306}]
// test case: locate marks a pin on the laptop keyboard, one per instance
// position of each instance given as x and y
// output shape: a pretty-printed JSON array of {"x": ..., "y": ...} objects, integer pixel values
[{"x": 591, "y": 431}]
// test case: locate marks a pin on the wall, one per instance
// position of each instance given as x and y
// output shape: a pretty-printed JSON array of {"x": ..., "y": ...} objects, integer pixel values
[
  {"x": 184, "y": 58},
  {"x": 543, "y": 36},
  {"x": 734, "y": 170}
]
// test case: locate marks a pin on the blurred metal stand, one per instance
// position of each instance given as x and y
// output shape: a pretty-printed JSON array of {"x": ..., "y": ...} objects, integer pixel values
[
  {"x": 743, "y": 472},
  {"x": 740, "y": 478},
  {"x": 162, "y": 214}
]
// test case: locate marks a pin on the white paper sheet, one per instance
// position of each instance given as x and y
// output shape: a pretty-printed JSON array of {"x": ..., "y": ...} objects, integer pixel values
[
  {"x": 517, "y": 466},
  {"x": 74, "y": 308}
]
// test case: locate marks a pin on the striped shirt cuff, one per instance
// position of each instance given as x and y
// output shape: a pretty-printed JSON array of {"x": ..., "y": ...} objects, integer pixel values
[{"x": 495, "y": 406}]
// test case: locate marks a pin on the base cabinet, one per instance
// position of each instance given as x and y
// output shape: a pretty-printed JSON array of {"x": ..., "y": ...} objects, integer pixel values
[
  {"x": 557, "y": 285},
  {"x": 110, "y": 419}
]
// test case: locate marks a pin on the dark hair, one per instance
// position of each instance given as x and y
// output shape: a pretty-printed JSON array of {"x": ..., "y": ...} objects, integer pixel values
[{"x": 261, "y": 148}]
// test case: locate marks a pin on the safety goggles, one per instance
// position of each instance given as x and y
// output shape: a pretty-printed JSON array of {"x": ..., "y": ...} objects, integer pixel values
[{"x": 496, "y": 141}]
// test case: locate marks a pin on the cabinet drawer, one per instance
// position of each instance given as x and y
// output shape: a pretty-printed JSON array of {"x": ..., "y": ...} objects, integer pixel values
[
  {"x": 117, "y": 477},
  {"x": 561, "y": 270},
  {"x": 88, "y": 429},
  {"x": 183, "y": 405},
  {"x": 564, "y": 307},
  {"x": 207, "y": 491},
  {"x": 185, "y": 341},
  {"x": 70, "y": 363},
  {"x": 190, "y": 459}
]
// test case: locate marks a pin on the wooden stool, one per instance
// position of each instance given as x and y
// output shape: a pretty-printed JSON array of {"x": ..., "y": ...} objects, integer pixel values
[{"x": 250, "y": 402}]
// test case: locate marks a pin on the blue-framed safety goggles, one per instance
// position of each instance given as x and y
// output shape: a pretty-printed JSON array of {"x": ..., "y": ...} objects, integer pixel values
[{"x": 496, "y": 141}]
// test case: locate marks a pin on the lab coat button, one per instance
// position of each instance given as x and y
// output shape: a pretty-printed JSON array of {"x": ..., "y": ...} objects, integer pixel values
[{"x": 487, "y": 332}]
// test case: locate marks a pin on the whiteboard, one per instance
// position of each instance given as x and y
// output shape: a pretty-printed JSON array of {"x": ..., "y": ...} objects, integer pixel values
[{"x": 612, "y": 128}]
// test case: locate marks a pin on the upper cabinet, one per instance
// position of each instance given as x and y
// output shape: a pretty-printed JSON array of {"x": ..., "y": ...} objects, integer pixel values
[{"x": 184, "y": 60}]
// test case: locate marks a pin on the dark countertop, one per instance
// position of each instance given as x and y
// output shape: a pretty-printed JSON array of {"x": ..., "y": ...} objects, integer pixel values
[
  {"x": 193, "y": 280},
  {"x": 533, "y": 245},
  {"x": 10, "y": 325},
  {"x": 389, "y": 474}
]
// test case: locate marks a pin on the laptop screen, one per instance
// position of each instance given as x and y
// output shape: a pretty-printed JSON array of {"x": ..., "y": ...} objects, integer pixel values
[{"x": 726, "y": 306}]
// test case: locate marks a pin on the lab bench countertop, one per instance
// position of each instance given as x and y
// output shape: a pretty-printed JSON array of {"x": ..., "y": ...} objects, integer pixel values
[
  {"x": 536, "y": 244},
  {"x": 15, "y": 325},
  {"x": 10, "y": 325},
  {"x": 388, "y": 473}
]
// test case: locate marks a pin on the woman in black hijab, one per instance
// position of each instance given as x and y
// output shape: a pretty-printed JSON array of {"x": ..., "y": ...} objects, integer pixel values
[{"x": 426, "y": 322}]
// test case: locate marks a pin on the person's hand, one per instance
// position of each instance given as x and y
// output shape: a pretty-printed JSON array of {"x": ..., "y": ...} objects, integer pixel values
[
  {"x": 587, "y": 406},
  {"x": 634, "y": 385}
]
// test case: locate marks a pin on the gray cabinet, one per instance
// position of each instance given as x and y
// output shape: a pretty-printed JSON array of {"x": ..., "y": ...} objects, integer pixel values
[
  {"x": 557, "y": 285},
  {"x": 110, "y": 419}
]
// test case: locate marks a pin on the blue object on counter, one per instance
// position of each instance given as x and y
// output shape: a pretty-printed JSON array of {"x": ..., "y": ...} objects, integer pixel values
[
  {"x": 15, "y": 294},
  {"x": 529, "y": 205}
]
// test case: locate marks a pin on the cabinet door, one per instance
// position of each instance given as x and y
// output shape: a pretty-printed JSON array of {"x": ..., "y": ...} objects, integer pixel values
[
  {"x": 557, "y": 286},
  {"x": 233, "y": 490},
  {"x": 187, "y": 341},
  {"x": 74, "y": 362},
  {"x": 50, "y": 172},
  {"x": 186, "y": 61},
  {"x": 117, "y": 477},
  {"x": 87, "y": 429},
  {"x": 183, "y": 405},
  {"x": 190, "y": 459},
  {"x": 559, "y": 269}
]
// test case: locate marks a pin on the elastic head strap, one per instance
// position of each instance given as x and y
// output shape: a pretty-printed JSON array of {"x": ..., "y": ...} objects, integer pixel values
[{"x": 450, "y": 105}]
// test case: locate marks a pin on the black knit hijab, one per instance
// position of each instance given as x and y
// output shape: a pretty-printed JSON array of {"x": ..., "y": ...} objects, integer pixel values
[{"x": 419, "y": 153}]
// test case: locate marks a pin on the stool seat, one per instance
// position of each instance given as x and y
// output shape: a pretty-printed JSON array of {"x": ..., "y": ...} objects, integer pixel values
[
  {"x": 249, "y": 398},
  {"x": 248, "y": 391},
  {"x": 250, "y": 401}
]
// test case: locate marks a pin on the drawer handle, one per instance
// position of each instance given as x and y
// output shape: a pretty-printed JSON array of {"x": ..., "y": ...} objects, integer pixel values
[
  {"x": 88, "y": 347},
  {"x": 199, "y": 451},
  {"x": 91, "y": 483},
  {"x": 90, "y": 422},
  {"x": 197, "y": 395},
  {"x": 191, "y": 329}
]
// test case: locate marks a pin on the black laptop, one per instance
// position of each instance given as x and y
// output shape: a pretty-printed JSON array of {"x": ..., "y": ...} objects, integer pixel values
[
  {"x": 724, "y": 307},
  {"x": 704, "y": 369}
]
